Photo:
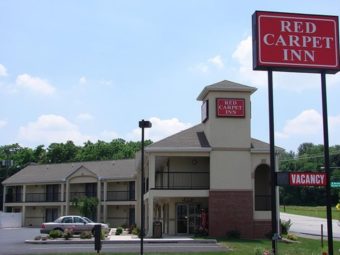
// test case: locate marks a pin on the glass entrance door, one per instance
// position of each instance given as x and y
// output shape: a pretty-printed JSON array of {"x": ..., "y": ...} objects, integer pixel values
[{"x": 187, "y": 218}]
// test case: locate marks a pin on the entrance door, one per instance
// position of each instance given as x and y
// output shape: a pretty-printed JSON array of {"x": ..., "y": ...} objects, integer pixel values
[{"x": 187, "y": 218}]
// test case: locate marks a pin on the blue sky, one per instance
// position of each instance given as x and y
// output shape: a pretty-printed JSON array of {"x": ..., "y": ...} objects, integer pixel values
[{"x": 87, "y": 70}]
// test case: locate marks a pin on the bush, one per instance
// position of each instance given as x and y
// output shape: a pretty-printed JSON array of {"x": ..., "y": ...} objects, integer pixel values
[
  {"x": 135, "y": 231},
  {"x": 68, "y": 233},
  {"x": 285, "y": 226},
  {"x": 292, "y": 237},
  {"x": 119, "y": 231},
  {"x": 56, "y": 233},
  {"x": 85, "y": 235},
  {"x": 233, "y": 234}
]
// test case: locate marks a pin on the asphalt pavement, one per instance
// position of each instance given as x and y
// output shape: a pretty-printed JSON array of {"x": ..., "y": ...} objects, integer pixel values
[{"x": 310, "y": 225}]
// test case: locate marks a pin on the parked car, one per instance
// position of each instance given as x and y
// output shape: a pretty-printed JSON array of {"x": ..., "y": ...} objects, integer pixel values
[{"x": 78, "y": 224}]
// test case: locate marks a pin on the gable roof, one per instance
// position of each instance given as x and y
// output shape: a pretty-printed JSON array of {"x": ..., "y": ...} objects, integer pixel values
[
  {"x": 226, "y": 86},
  {"x": 51, "y": 173},
  {"x": 191, "y": 139}
]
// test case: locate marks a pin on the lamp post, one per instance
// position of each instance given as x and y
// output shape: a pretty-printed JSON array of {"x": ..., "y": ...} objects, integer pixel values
[{"x": 142, "y": 124}]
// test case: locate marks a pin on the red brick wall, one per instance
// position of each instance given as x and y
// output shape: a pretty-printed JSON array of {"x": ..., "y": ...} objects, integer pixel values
[{"x": 233, "y": 210}]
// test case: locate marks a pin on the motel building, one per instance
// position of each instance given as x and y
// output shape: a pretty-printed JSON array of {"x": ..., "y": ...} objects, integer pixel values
[{"x": 211, "y": 177}]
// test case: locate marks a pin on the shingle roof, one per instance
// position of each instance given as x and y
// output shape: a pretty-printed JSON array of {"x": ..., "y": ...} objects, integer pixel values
[
  {"x": 112, "y": 169},
  {"x": 225, "y": 85},
  {"x": 191, "y": 138}
]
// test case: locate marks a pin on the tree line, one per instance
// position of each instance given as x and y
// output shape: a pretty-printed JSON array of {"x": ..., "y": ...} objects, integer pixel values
[
  {"x": 15, "y": 157},
  {"x": 309, "y": 157}
]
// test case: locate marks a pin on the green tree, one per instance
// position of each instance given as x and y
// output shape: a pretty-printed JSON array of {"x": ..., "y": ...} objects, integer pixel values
[{"x": 87, "y": 206}]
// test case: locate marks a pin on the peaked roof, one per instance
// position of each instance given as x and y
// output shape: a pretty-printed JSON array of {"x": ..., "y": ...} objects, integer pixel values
[
  {"x": 190, "y": 139},
  {"x": 110, "y": 169},
  {"x": 227, "y": 86},
  {"x": 194, "y": 139}
]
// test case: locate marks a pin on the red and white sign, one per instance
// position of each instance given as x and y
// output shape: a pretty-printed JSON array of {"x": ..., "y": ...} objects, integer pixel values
[
  {"x": 307, "y": 179},
  {"x": 230, "y": 107},
  {"x": 295, "y": 42}
]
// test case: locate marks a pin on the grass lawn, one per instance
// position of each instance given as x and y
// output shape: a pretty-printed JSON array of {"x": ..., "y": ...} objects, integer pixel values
[{"x": 314, "y": 211}]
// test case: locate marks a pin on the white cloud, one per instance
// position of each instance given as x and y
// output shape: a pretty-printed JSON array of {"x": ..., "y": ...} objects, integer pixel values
[
  {"x": 208, "y": 65},
  {"x": 307, "y": 123},
  {"x": 3, "y": 123},
  {"x": 35, "y": 84},
  {"x": 82, "y": 80},
  {"x": 84, "y": 117},
  {"x": 243, "y": 55},
  {"x": 308, "y": 127},
  {"x": 3, "y": 70},
  {"x": 51, "y": 128},
  {"x": 217, "y": 61},
  {"x": 160, "y": 129}
]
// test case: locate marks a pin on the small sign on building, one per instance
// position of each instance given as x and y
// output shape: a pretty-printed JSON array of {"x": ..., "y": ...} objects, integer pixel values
[{"x": 230, "y": 107}]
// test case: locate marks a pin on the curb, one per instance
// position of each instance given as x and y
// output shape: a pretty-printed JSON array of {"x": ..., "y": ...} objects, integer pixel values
[{"x": 79, "y": 241}]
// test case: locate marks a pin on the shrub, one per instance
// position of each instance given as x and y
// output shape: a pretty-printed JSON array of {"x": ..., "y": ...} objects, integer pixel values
[
  {"x": 85, "y": 235},
  {"x": 292, "y": 237},
  {"x": 56, "y": 233},
  {"x": 119, "y": 231},
  {"x": 233, "y": 234},
  {"x": 68, "y": 233},
  {"x": 285, "y": 226},
  {"x": 135, "y": 231}
]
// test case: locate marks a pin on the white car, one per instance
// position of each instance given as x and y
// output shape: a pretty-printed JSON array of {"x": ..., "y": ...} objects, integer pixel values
[{"x": 77, "y": 223}]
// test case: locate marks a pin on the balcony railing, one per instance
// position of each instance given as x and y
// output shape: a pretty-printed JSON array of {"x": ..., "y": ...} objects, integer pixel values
[
  {"x": 120, "y": 196},
  {"x": 182, "y": 180},
  {"x": 43, "y": 197},
  {"x": 13, "y": 198},
  {"x": 262, "y": 203},
  {"x": 74, "y": 195}
]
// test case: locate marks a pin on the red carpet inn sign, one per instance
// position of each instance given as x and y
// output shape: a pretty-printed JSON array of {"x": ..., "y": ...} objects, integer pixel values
[{"x": 289, "y": 42}]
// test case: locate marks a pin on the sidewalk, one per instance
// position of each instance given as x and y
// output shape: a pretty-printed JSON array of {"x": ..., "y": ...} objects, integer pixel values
[{"x": 124, "y": 238}]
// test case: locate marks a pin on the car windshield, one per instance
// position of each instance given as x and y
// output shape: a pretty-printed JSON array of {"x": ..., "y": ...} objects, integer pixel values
[{"x": 88, "y": 220}]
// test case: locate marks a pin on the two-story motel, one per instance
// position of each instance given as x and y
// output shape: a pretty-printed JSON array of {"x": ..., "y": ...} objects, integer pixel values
[{"x": 213, "y": 174}]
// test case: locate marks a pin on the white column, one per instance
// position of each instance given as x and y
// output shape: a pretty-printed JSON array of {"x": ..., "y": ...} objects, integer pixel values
[
  {"x": 23, "y": 215},
  {"x": 62, "y": 198},
  {"x": 105, "y": 205},
  {"x": 99, "y": 199},
  {"x": 152, "y": 171},
  {"x": 67, "y": 198},
  {"x": 24, "y": 193},
  {"x": 149, "y": 220}
]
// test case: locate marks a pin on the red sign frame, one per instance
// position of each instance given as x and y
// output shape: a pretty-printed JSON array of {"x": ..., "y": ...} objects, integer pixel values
[
  {"x": 230, "y": 107},
  {"x": 307, "y": 179},
  {"x": 295, "y": 42}
]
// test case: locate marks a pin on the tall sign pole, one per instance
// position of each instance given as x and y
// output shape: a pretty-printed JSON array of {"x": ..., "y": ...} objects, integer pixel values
[
  {"x": 272, "y": 162},
  {"x": 326, "y": 163},
  {"x": 294, "y": 42}
]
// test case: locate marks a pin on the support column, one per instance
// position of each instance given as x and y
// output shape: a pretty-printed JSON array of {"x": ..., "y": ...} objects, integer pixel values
[
  {"x": 67, "y": 198},
  {"x": 99, "y": 199},
  {"x": 105, "y": 205},
  {"x": 151, "y": 171},
  {"x": 62, "y": 198},
  {"x": 24, "y": 193},
  {"x": 149, "y": 219},
  {"x": 23, "y": 216}
]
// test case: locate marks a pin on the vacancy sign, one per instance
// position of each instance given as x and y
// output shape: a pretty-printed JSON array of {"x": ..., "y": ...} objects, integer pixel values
[
  {"x": 295, "y": 42},
  {"x": 307, "y": 179}
]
